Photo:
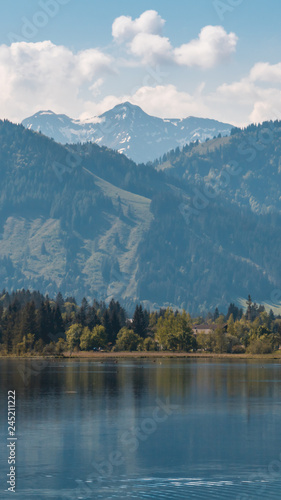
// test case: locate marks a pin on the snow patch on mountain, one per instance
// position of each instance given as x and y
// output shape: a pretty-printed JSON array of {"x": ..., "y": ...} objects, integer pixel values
[{"x": 128, "y": 129}]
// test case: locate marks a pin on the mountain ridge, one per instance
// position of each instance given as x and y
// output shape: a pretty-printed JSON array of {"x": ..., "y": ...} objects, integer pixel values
[{"x": 126, "y": 128}]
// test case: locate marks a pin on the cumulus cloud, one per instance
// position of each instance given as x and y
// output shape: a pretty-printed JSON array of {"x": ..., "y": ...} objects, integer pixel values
[
  {"x": 165, "y": 101},
  {"x": 152, "y": 49},
  {"x": 242, "y": 91},
  {"x": 256, "y": 96},
  {"x": 239, "y": 103},
  {"x": 144, "y": 39},
  {"x": 251, "y": 97},
  {"x": 265, "y": 72},
  {"x": 267, "y": 108},
  {"x": 124, "y": 28},
  {"x": 212, "y": 46},
  {"x": 44, "y": 75}
]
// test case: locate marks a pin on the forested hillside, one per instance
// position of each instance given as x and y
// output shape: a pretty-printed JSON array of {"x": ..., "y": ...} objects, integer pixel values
[
  {"x": 245, "y": 167},
  {"x": 89, "y": 222}
]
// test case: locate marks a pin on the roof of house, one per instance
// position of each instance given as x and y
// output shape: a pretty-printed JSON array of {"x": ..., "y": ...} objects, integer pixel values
[{"x": 204, "y": 326}]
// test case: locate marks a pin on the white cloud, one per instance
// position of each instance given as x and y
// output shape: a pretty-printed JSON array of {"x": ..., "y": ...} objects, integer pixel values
[
  {"x": 253, "y": 101},
  {"x": 168, "y": 102},
  {"x": 43, "y": 75},
  {"x": 267, "y": 109},
  {"x": 212, "y": 47},
  {"x": 243, "y": 91},
  {"x": 152, "y": 49},
  {"x": 239, "y": 103},
  {"x": 265, "y": 72},
  {"x": 124, "y": 29},
  {"x": 165, "y": 101},
  {"x": 143, "y": 38},
  {"x": 96, "y": 87}
]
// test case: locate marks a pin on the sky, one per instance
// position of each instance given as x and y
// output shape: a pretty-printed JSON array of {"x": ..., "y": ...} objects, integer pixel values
[{"x": 216, "y": 59}]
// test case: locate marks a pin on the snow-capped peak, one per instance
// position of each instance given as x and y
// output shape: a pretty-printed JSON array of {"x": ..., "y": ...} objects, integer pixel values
[{"x": 127, "y": 129}]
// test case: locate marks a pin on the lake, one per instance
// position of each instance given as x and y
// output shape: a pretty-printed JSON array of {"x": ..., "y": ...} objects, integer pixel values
[{"x": 139, "y": 429}]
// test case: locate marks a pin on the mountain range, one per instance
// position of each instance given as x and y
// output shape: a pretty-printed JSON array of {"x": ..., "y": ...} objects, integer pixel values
[
  {"x": 198, "y": 230},
  {"x": 127, "y": 128}
]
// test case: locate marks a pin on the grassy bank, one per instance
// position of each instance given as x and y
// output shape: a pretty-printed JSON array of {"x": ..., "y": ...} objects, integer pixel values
[
  {"x": 166, "y": 354},
  {"x": 98, "y": 356}
]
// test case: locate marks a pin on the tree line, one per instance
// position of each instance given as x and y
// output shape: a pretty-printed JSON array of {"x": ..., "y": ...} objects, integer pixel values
[{"x": 31, "y": 323}]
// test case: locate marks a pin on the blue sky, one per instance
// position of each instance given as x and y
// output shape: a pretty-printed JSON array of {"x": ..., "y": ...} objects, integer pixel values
[{"x": 214, "y": 58}]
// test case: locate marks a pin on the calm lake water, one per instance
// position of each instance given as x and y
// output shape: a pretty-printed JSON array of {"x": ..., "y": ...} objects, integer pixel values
[{"x": 170, "y": 429}]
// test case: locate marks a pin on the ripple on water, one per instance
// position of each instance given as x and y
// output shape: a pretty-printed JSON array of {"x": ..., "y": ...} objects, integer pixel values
[{"x": 172, "y": 489}]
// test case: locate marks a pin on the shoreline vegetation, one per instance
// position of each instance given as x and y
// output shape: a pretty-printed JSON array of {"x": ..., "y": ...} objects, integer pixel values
[
  {"x": 101, "y": 356},
  {"x": 143, "y": 354},
  {"x": 35, "y": 325}
]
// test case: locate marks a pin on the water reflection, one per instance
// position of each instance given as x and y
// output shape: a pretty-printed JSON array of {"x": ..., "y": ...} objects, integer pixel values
[{"x": 97, "y": 422}]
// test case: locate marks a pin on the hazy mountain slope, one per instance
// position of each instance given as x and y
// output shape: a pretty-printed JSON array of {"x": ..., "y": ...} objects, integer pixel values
[
  {"x": 129, "y": 130},
  {"x": 245, "y": 168},
  {"x": 115, "y": 254},
  {"x": 218, "y": 256},
  {"x": 80, "y": 235},
  {"x": 89, "y": 222}
]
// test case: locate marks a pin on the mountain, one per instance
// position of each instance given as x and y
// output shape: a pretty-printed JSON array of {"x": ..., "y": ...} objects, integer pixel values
[
  {"x": 245, "y": 168},
  {"x": 129, "y": 130},
  {"x": 88, "y": 221}
]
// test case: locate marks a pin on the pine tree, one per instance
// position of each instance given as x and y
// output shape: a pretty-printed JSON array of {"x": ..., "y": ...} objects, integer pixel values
[
  {"x": 115, "y": 327},
  {"x": 58, "y": 323},
  {"x": 91, "y": 319},
  {"x": 8, "y": 332},
  {"x": 44, "y": 323},
  {"x": 107, "y": 324},
  {"x": 83, "y": 312},
  {"x": 216, "y": 314},
  {"x": 139, "y": 322},
  {"x": 60, "y": 300},
  {"x": 249, "y": 308},
  {"x": 28, "y": 323}
]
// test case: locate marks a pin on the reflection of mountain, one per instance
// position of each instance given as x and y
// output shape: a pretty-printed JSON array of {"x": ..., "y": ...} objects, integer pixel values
[
  {"x": 89, "y": 222},
  {"x": 129, "y": 130}
]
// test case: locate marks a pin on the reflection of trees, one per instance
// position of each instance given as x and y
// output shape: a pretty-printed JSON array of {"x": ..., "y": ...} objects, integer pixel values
[
  {"x": 172, "y": 379},
  {"x": 85, "y": 407},
  {"x": 97, "y": 385}
]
